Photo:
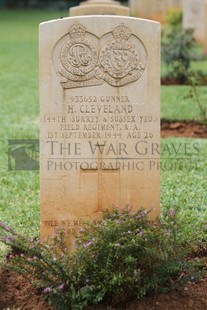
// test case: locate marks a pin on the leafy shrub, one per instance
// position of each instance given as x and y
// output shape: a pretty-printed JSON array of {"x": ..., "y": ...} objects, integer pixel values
[
  {"x": 122, "y": 256},
  {"x": 174, "y": 17},
  {"x": 177, "y": 47},
  {"x": 196, "y": 79},
  {"x": 177, "y": 53}
]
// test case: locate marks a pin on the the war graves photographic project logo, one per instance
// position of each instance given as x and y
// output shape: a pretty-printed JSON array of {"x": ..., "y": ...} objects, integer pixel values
[{"x": 23, "y": 154}]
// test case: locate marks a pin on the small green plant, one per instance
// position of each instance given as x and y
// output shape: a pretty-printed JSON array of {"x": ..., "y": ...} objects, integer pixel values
[
  {"x": 122, "y": 256},
  {"x": 177, "y": 47},
  {"x": 196, "y": 79},
  {"x": 174, "y": 17}
]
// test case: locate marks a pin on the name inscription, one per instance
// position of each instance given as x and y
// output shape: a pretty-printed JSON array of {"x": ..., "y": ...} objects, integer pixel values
[{"x": 99, "y": 117}]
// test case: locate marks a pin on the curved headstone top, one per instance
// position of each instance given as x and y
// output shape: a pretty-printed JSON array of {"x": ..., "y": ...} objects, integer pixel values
[
  {"x": 100, "y": 123},
  {"x": 102, "y": 7},
  {"x": 100, "y": 2}
]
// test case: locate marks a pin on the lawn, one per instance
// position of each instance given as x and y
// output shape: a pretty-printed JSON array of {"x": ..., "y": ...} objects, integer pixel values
[
  {"x": 185, "y": 190},
  {"x": 177, "y": 104}
]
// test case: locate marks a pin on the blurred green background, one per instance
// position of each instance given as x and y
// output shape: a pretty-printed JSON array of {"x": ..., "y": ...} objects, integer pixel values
[{"x": 49, "y": 4}]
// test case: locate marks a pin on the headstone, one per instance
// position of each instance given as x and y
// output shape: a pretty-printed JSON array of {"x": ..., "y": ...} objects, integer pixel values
[
  {"x": 175, "y": 4},
  {"x": 194, "y": 18},
  {"x": 100, "y": 123},
  {"x": 153, "y": 9},
  {"x": 149, "y": 9},
  {"x": 109, "y": 2},
  {"x": 102, "y": 7},
  {"x": 205, "y": 36}
]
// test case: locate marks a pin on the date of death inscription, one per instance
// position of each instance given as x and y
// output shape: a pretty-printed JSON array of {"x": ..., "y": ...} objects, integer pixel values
[{"x": 104, "y": 117}]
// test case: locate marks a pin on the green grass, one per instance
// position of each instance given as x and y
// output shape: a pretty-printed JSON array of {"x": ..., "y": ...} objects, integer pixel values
[
  {"x": 176, "y": 104},
  {"x": 19, "y": 65},
  {"x": 183, "y": 181},
  {"x": 200, "y": 64},
  {"x": 19, "y": 199}
]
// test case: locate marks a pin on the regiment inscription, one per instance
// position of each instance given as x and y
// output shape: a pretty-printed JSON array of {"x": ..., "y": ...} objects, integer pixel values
[{"x": 100, "y": 122}]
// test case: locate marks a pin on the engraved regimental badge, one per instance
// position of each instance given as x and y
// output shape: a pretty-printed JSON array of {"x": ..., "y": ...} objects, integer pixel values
[
  {"x": 117, "y": 58},
  {"x": 79, "y": 58},
  {"x": 120, "y": 60}
]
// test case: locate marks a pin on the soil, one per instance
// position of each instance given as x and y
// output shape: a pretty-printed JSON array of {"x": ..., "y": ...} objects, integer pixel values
[
  {"x": 17, "y": 290},
  {"x": 181, "y": 81},
  {"x": 189, "y": 129}
]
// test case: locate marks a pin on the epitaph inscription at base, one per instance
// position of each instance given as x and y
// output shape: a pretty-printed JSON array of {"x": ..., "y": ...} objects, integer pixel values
[{"x": 100, "y": 123}]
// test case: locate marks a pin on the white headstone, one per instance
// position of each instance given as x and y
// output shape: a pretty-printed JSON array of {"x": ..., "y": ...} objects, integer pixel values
[
  {"x": 102, "y": 7},
  {"x": 194, "y": 18},
  {"x": 153, "y": 9},
  {"x": 205, "y": 36},
  {"x": 100, "y": 123}
]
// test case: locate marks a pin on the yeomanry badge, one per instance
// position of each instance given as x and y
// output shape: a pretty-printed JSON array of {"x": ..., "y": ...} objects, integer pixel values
[{"x": 119, "y": 59}]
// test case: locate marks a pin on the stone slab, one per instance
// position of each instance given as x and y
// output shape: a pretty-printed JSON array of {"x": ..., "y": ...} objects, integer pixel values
[
  {"x": 100, "y": 122},
  {"x": 174, "y": 4},
  {"x": 205, "y": 34},
  {"x": 94, "y": 7},
  {"x": 149, "y": 9},
  {"x": 194, "y": 18},
  {"x": 108, "y": 2},
  {"x": 153, "y": 9}
]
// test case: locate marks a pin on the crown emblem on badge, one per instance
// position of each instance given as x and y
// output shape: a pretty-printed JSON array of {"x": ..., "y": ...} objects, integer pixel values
[
  {"x": 122, "y": 32},
  {"x": 77, "y": 31}
]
